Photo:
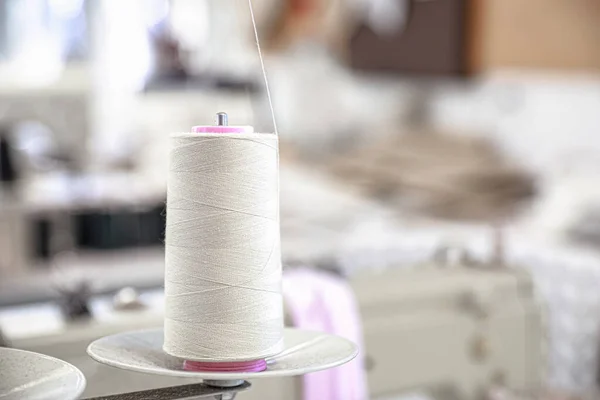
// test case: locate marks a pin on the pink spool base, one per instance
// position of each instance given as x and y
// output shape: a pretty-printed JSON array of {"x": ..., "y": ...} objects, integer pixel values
[{"x": 236, "y": 366}]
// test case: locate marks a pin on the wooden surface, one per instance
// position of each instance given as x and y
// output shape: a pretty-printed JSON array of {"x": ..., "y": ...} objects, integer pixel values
[{"x": 535, "y": 34}]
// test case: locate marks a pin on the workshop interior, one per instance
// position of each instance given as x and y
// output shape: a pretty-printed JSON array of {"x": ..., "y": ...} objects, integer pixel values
[{"x": 437, "y": 176}]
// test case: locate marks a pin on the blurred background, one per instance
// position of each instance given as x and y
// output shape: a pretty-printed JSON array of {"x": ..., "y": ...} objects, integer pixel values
[{"x": 439, "y": 158}]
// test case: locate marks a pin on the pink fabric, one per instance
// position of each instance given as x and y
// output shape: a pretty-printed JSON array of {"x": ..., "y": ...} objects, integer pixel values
[{"x": 320, "y": 301}]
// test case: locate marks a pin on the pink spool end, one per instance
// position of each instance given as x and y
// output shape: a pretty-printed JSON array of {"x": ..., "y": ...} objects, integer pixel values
[
  {"x": 236, "y": 366},
  {"x": 222, "y": 129}
]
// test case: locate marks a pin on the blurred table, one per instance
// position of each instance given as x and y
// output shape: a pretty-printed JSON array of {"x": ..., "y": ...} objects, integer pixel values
[{"x": 106, "y": 271}]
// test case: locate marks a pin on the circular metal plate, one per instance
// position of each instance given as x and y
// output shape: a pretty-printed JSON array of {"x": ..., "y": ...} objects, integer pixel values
[
  {"x": 32, "y": 376},
  {"x": 304, "y": 352}
]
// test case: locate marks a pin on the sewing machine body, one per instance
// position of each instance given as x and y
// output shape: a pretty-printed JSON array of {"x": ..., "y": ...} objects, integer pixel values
[{"x": 464, "y": 328}]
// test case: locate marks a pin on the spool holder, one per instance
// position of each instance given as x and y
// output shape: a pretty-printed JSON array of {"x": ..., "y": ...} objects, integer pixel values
[{"x": 305, "y": 351}]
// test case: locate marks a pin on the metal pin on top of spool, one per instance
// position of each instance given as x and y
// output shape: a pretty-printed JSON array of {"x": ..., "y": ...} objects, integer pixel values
[
  {"x": 222, "y": 119},
  {"x": 222, "y": 126}
]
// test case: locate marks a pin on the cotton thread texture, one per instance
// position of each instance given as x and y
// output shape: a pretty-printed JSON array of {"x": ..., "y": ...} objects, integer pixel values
[{"x": 223, "y": 257}]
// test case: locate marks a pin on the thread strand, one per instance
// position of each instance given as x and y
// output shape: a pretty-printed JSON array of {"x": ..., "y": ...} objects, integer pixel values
[{"x": 262, "y": 65}]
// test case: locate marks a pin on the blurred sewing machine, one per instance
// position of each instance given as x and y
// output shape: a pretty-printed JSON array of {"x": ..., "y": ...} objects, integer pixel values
[
  {"x": 42, "y": 129},
  {"x": 463, "y": 328},
  {"x": 466, "y": 328}
]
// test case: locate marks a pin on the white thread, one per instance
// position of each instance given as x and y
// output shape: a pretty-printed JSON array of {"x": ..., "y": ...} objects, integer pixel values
[
  {"x": 223, "y": 268},
  {"x": 262, "y": 65}
]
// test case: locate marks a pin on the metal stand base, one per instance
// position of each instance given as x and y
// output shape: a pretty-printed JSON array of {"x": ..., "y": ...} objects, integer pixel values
[
  {"x": 232, "y": 384},
  {"x": 217, "y": 390},
  {"x": 223, "y": 384}
]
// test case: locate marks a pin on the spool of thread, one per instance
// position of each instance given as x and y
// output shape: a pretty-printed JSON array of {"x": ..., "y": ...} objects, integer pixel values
[{"x": 224, "y": 309}]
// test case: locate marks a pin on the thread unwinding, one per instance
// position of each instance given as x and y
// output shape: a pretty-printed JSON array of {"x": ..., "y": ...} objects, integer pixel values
[{"x": 223, "y": 263}]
